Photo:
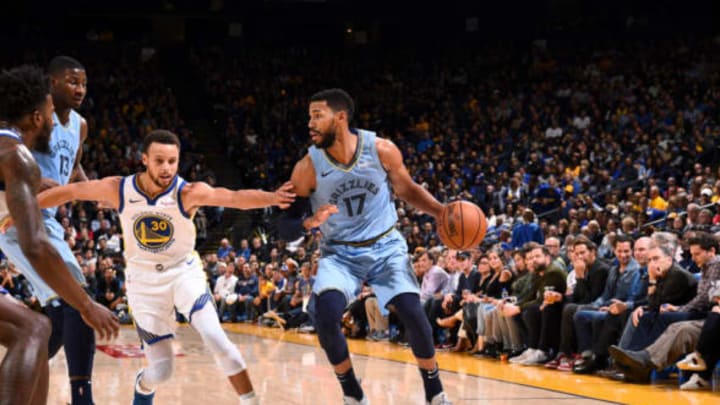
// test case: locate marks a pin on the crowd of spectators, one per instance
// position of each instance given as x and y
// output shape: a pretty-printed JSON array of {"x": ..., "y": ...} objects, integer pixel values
[
  {"x": 565, "y": 148},
  {"x": 578, "y": 156}
]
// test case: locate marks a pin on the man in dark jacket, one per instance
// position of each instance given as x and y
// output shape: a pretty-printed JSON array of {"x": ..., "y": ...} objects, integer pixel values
[
  {"x": 669, "y": 284},
  {"x": 591, "y": 274}
]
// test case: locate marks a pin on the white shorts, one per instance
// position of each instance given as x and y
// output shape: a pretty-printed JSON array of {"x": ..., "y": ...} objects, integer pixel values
[{"x": 153, "y": 297}]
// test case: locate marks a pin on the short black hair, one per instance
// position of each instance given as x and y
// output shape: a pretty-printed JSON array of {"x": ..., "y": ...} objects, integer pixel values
[
  {"x": 337, "y": 100},
  {"x": 160, "y": 136},
  {"x": 530, "y": 246},
  {"x": 420, "y": 254},
  {"x": 705, "y": 240},
  {"x": 60, "y": 63},
  {"x": 624, "y": 238},
  {"x": 23, "y": 90}
]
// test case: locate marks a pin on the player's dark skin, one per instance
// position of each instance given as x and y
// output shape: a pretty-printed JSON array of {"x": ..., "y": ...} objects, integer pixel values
[{"x": 24, "y": 370}]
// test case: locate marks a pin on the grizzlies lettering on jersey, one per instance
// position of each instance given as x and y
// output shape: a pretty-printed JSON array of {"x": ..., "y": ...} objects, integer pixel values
[
  {"x": 163, "y": 234},
  {"x": 6, "y": 133},
  {"x": 64, "y": 143},
  {"x": 361, "y": 190}
]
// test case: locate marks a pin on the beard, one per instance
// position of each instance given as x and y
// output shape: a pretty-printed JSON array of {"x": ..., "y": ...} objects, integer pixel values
[
  {"x": 540, "y": 267},
  {"x": 42, "y": 143},
  {"x": 327, "y": 138},
  {"x": 159, "y": 182}
]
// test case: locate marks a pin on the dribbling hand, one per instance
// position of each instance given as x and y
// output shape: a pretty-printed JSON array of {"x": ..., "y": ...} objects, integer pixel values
[
  {"x": 105, "y": 323},
  {"x": 323, "y": 213},
  {"x": 284, "y": 196}
]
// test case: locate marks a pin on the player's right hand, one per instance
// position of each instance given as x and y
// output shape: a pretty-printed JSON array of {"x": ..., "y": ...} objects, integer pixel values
[
  {"x": 105, "y": 323},
  {"x": 323, "y": 213}
]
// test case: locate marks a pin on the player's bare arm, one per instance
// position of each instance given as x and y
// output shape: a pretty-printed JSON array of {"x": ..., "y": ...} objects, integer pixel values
[
  {"x": 303, "y": 178},
  {"x": 78, "y": 174},
  {"x": 22, "y": 178},
  {"x": 106, "y": 190},
  {"x": 403, "y": 185},
  {"x": 199, "y": 194}
]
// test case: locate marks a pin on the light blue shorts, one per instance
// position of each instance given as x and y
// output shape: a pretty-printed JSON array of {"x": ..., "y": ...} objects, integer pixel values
[
  {"x": 385, "y": 265},
  {"x": 11, "y": 247}
]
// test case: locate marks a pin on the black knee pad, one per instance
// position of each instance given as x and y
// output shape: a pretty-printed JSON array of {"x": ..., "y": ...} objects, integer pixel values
[
  {"x": 328, "y": 311},
  {"x": 407, "y": 307},
  {"x": 79, "y": 342},
  {"x": 57, "y": 316}
]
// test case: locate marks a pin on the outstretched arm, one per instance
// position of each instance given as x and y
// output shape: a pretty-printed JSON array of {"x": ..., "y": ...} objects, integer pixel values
[
  {"x": 200, "y": 194},
  {"x": 18, "y": 169},
  {"x": 402, "y": 183},
  {"x": 106, "y": 190}
]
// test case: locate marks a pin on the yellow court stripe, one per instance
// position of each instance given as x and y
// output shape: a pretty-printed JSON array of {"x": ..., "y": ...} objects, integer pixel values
[{"x": 570, "y": 383}]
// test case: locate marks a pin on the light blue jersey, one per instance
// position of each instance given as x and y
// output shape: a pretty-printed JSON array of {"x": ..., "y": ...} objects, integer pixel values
[
  {"x": 361, "y": 190},
  {"x": 360, "y": 242},
  {"x": 56, "y": 165},
  {"x": 64, "y": 143}
]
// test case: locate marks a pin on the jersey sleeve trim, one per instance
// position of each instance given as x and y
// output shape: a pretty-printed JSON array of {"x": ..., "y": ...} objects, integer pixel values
[
  {"x": 179, "y": 200},
  {"x": 122, "y": 195}
]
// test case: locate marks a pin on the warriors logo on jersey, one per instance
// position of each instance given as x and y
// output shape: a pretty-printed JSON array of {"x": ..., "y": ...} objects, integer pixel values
[{"x": 153, "y": 231}]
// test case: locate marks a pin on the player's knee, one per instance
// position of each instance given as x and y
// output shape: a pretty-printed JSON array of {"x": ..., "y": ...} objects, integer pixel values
[
  {"x": 159, "y": 371},
  {"x": 328, "y": 312},
  {"x": 231, "y": 361},
  {"x": 227, "y": 354},
  {"x": 35, "y": 328},
  {"x": 408, "y": 308}
]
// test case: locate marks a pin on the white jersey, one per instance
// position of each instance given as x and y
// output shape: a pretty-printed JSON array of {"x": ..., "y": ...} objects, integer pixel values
[
  {"x": 158, "y": 232},
  {"x": 4, "y": 211}
]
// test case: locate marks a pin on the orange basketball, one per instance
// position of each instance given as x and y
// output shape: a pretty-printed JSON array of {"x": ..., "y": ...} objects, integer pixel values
[{"x": 462, "y": 225}]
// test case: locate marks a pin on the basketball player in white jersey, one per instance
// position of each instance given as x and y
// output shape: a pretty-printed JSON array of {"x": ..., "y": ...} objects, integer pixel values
[
  {"x": 26, "y": 114},
  {"x": 163, "y": 270}
]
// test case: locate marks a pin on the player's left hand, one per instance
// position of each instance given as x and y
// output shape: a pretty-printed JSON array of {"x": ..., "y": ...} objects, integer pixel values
[{"x": 284, "y": 196}]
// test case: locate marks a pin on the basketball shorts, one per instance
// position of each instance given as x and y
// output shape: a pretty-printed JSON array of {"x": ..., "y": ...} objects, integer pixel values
[
  {"x": 153, "y": 296},
  {"x": 384, "y": 265},
  {"x": 11, "y": 247}
]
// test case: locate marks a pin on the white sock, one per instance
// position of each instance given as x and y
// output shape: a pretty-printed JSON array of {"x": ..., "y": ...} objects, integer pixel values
[{"x": 249, "y": 399}]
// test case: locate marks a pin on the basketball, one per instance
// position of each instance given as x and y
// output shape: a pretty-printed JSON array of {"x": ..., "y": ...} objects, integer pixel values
[{"x": 462, "y": 225}]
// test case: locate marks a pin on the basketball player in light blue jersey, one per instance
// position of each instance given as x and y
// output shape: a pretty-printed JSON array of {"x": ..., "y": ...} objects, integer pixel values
[
  {"x": 26, "y": 113},
  {"x": 164, "y": 272},
  {"x": 349, "y": 176},
  {"x": 59, "y": 163}
]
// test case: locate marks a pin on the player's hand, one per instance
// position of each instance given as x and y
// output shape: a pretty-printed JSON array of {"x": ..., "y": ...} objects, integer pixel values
[
  {"x": 322, "y": 214},
  {"x": 284, "y": 196},
  {"x": 668, "y": 308},
  {"x": 637, "y": 313},
  {"x": 6, "y": 223},
  {"x": 105, "y": 323},
  {"x": 46, "y": 184}
]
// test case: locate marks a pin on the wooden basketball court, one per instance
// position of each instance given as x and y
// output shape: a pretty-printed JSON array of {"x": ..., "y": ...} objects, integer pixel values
[{"x": 290, "y": 368}]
